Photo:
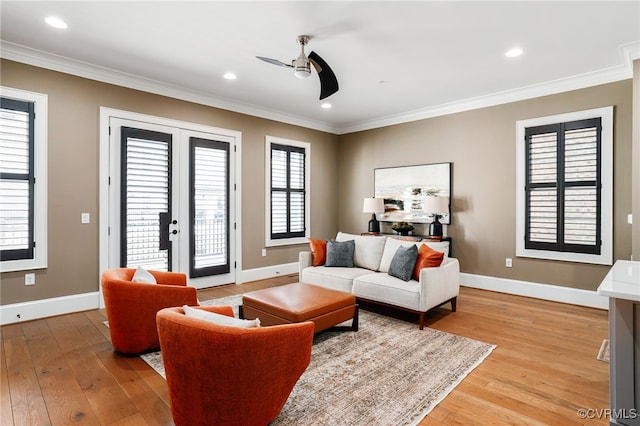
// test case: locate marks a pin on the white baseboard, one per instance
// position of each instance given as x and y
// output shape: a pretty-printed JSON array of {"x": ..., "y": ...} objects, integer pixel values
[
  {"x": 553, "y": 293},
  {"x": 268, "y": 272},
  {"x": 27, "y": 311},
  {"x": 37, "y": 309}
]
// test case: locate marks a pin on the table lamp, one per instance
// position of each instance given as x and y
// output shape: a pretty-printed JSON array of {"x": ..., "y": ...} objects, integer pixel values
[
  {"x": 437, "y": 206},
  {"x": 373, "y": 206}
]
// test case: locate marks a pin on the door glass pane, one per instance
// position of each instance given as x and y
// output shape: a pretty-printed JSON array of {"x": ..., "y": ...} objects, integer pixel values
[
  {"x": 145, "y": 194},
  {"x": 210, "y": 207}
]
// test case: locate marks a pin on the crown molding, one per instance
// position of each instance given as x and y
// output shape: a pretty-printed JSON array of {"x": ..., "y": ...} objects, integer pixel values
[
  {"x": 629, "y": 52},
  {"x": 38, "y": 58}
]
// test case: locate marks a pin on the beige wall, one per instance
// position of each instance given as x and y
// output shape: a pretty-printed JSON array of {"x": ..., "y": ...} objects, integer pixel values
[
  {"x": 73, "y": 158},
  {"x": 481, "y": 146}
]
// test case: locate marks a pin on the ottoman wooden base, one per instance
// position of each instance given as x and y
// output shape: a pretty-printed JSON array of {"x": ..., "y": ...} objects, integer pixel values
[{"x": 300, "y": 302}]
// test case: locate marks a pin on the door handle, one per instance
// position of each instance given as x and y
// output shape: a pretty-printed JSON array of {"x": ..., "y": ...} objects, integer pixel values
[{"x": 164, "y": 223}]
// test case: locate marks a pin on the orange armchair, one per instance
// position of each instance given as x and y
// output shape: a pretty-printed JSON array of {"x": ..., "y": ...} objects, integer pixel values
[
  {"x": 131, "y": 307},
  {"x": 222, "y": 375}
]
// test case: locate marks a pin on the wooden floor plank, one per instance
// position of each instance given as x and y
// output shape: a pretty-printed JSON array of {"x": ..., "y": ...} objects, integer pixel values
[
  {"x": 27, "y": 400},
  {"x": 64, "y": 370},
  {"x": 109, "y": 401},
  {"x": 65, "y": 400},
  {"x": 6, "y": 413}
]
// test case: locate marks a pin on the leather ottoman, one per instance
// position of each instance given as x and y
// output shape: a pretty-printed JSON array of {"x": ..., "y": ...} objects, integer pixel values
[{"x": 300, "y": 302}]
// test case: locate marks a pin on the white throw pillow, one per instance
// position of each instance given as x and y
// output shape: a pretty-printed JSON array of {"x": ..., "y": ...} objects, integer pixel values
[
  {"x": 143, "y": 276},
  {"x": 219, "y": 318},
  {"x": 368, "y": 251}
]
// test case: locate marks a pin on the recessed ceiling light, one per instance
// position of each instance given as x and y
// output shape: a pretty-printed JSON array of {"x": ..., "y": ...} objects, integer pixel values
[
  {"x": 326, "y": 105},
  {"x": 56, "y": 22},
  {"x": 230, "y": 76},
  {"x": 513, "y": 53}
]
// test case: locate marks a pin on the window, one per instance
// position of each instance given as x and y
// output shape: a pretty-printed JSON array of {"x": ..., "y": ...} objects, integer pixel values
[
  {"x": 564, "y": 186},
  {"x": 23, "y": 180},
  {"x": 287, "y": 206}
]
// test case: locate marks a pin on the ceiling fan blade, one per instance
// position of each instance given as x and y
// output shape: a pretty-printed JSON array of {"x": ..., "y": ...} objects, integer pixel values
[
  {"x": 274, "y": 62},
  {"x": 328, "y": 80}
]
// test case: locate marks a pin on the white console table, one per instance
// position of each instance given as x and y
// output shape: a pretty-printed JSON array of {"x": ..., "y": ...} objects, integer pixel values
[{"x": 622, "y": 286}]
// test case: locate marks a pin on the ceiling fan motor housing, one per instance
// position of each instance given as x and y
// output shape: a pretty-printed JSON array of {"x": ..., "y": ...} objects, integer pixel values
[{"x": 301, "y": 66}]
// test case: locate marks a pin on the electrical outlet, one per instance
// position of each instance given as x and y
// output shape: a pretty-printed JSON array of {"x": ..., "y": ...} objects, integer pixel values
[
  {"x": 29, "y": 279},
  {"x": 264, "y": 252},
  {"x": 508, "y": 262},
  {"x": 85, "y": 218}
]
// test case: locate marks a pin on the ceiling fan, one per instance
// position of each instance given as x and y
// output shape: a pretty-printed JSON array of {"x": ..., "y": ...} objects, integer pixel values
[{"x": 302, "y": 69}]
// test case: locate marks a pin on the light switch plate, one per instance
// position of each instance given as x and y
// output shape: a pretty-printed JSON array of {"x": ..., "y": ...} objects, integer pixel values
[{"x": 85, "y": 218}]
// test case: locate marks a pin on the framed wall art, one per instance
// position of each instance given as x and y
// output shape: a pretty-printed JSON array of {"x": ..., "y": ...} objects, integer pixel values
[{"x": 404, "y": 189}]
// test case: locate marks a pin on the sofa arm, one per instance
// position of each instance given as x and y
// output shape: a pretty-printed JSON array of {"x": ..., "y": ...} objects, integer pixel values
[
  {"x": 305, "y": 259},
  {"x": 438, "y": 285}
]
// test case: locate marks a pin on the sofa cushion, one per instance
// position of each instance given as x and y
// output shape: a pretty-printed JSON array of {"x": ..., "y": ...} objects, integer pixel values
[
  {"x": 403, "y": 262},
  {"x": 392, "y": 244},
  {"x": 368, "y": 249},
  {"x": 340, "y": 279},
  {"x": 427, "y": 258},
  {"x": 340, "y": 253},
  {"x": 384, "y": 288},
  {"x": 318, "y": 251}
]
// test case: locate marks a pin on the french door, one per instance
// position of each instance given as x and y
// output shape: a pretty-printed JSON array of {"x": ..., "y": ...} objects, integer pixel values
[{"x": 171, "y": 200}]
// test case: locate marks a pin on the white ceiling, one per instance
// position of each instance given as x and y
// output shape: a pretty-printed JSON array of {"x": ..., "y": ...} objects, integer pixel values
[{"x": 395, "y": 61}]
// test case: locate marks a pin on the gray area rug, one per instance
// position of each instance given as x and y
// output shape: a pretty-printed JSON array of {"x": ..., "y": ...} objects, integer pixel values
[{"x": 387, "y": 373}]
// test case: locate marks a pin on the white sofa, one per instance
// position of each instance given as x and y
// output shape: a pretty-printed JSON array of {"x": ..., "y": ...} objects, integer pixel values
[{"x": 368, "y": 279}]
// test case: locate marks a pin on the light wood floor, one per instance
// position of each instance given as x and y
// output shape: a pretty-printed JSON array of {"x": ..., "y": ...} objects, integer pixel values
[{"x": 63, "y": 370}]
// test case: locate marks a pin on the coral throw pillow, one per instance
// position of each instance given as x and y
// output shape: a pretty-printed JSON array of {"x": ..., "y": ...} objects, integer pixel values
[
  {"x": 427, "y": 258},
  {"x": 318, "y": 251}
]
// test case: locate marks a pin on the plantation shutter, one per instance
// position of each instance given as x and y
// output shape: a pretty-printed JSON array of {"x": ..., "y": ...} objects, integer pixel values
[
  {"x": 563, "y": 187},
  {"x": 17, "y": 179},
  {"x": 145, "y": 194},
  {"x": 209, "y": 207},
  {"x": 287, "y": 191}
]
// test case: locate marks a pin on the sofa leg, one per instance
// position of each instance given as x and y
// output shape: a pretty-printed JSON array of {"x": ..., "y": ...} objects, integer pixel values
[
  {"x": 421, "y": 320},
  {"x": 454, "y": 302}
]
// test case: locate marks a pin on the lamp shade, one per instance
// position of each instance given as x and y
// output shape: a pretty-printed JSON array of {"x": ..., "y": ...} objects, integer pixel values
[
  {"x": 373, "y": 205},
  {"x": 436, "y": 205}
]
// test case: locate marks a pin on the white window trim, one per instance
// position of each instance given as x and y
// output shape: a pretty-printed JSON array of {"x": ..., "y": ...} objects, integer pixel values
[
  {"x": 606, "y": 253},
  {"x": 269, "y": 140},
  {"x": 39, "y": 260}
]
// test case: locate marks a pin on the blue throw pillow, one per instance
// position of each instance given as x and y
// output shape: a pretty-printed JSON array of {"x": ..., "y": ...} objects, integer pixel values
[
  {"x": 340, "y": 253},
  {"x": 403, "y": 262}
]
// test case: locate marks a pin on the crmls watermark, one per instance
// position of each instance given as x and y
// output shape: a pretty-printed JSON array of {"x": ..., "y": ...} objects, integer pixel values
[{"x": 607, "y": 413}]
